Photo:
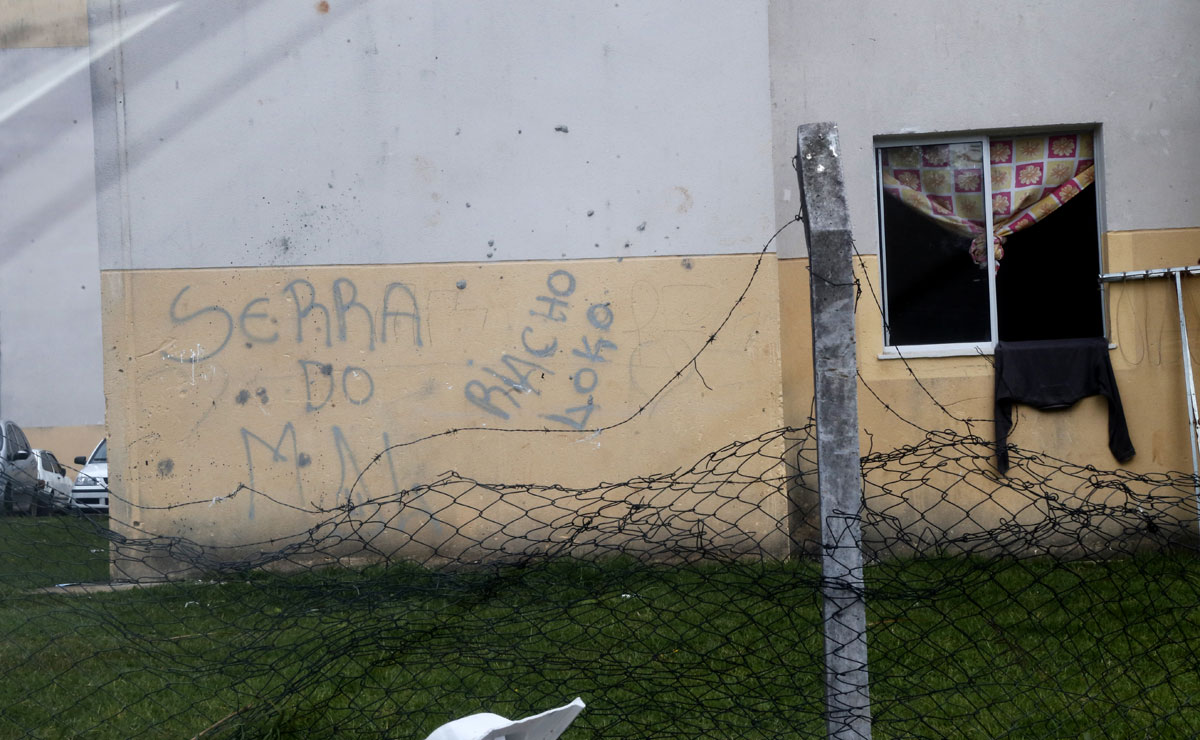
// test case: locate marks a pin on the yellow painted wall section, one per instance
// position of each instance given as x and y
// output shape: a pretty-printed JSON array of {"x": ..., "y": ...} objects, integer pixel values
[
  {"x": 43, "y": 23},
  {"x": 294, "y": 381},
  {"x": 1151, "y": 249},
  {"x": 66, "y": 442},
  {"x": 1147, "y": 361},
  {"x": 795, "y": 315}
]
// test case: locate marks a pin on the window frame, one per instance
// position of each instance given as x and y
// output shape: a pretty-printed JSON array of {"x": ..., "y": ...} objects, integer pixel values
[{"x": 962, "y": 349}]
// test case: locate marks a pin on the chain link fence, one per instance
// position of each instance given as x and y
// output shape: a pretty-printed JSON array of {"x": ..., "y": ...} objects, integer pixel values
[{"x": 1059, "y": 601}]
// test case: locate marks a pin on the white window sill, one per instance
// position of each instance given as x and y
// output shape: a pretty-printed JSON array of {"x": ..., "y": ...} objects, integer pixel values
[
  {"x": 943, "y": 350},
  {"x": 936, "y": 350}
]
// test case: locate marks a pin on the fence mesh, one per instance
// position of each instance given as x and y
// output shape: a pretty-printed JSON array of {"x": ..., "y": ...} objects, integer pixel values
[{"x": 1059, "y": 601}]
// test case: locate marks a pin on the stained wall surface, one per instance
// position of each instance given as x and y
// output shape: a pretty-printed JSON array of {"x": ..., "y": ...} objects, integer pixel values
[
  {"x": 310, "y": 385},
  {"x": 380, "y": 222},
  {"x": 330, "y": 229},
  {"x": 284, "y": 133},
  {"x": 886, "y": 70},
  {"x": 50, "y": 362}
]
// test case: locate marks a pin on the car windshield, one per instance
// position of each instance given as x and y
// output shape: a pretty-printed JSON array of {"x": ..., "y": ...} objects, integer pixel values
[{"x": 101, "y": 453}]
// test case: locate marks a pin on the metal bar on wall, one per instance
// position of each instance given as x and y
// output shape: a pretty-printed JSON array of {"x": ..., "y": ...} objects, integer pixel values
[
  {"x": 1190, "y": 386},
  {"x": 1189, "y": 382}
]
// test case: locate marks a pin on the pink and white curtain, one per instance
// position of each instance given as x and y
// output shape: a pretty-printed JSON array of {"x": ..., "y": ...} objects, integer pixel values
[{"x": 1032, "y": 176}]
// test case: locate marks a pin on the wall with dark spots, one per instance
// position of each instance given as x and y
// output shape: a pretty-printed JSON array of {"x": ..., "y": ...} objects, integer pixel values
[
  {"x": 430, "y": 217},
  {"x": 435, "y": 132},
  {"x": 306, "y": 385},
  {"x": 43, "y": 24},
  {"x": 427, "y": 216}
]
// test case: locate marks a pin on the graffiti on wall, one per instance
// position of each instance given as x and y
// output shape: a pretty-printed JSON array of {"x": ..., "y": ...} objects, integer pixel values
[
  {"x": 345, "y": 341},
  {"x": 554, "y": 316},
  {"x": 312, "y": 324},
  {"x": 258, "y": 321}
]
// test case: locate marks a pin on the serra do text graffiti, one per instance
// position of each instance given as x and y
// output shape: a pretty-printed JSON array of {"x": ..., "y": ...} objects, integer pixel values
[
  {"x": 343, "y": 315},
  {"x": 303, "y": 324},
  {"x": 317, "y": 351},
  {"x": 554, "y": 316}
]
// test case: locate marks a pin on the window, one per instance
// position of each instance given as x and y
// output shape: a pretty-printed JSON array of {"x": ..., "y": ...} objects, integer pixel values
[
  {"x": 16, "y": 440},
  {"x": 50, "y": 463},
  {"x": 958, "y": 276}
]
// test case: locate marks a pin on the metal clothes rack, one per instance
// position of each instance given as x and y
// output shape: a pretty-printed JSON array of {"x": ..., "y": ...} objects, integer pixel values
[{"x": 1189, "y": 383}]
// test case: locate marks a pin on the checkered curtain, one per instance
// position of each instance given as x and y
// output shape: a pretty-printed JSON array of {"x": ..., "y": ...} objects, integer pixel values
[{"x": 1031, "y": 177}]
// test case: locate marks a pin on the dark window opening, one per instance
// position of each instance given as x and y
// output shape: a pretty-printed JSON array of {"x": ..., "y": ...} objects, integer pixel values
[
  {"x": 1048, "y": 284},
  {"x": 936, "y": 294}
]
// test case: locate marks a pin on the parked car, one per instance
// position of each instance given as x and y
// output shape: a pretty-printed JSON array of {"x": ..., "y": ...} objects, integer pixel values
[
  {"x": 54, "y": 487},
  {"x": 18, "y": 471},
  {"x": 90, "y": 492}
]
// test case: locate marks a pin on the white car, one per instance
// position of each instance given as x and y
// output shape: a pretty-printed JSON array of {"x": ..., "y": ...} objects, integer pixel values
[
  {"x": 90, "y": 492},
  {"x": 54, "y": 487}
]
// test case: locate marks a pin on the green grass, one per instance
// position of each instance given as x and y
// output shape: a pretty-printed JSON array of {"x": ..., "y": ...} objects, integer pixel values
[
  {"x": 49, "y": 550},
  {"x": 959, "y": 648}
]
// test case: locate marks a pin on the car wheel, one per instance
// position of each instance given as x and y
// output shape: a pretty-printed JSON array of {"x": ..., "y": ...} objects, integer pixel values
[
  {"x": 41, "y": 503},
  {"x": 22, "y": 510}
]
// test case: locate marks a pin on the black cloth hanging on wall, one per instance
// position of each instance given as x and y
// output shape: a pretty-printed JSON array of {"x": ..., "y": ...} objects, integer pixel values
[{"x": 1056, "y": 373}]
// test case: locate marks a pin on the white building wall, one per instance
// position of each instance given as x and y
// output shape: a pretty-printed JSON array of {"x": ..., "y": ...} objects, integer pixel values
[
  {"x": 284, "y": 133},
  {"x": 881, "y": 68},
  {"x": 51, "y": 372}
]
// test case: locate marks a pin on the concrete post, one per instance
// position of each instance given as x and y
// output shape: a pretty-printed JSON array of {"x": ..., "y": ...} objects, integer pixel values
[{"x": 827, "y": 230}]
